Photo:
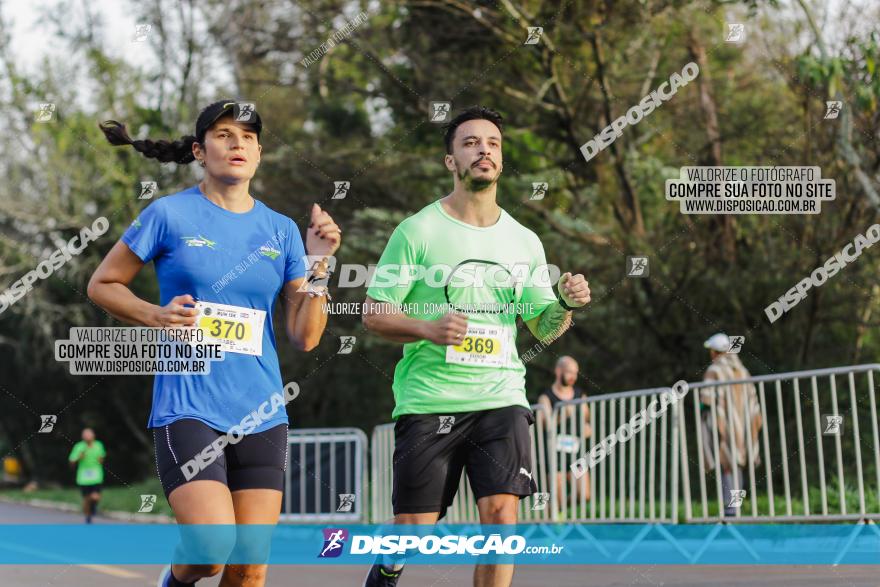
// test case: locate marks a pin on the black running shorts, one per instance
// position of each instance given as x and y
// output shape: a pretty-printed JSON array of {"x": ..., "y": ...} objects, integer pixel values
[
  {"x": 430, "y": 451},
  {"x": 257, "y": 461},
  {"x": 89, "y": 489}
]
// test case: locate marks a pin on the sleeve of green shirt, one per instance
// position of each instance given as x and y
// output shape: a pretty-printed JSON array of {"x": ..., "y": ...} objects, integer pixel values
[
  {"x": 101, "y": 452},
  {"x": 75, "y": 452},
  {"x": 393, "y": 278},
  {"x": 540, "y": 296}
]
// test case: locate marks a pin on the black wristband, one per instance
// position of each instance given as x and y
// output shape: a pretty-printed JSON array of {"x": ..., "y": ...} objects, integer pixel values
[{"x": 565, "y": 306}]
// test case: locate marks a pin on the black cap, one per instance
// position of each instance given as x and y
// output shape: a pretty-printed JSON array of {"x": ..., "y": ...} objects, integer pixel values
[{"x": 245, "y": 112}]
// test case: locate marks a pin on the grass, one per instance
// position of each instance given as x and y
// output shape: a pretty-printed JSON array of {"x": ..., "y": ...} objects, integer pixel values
[
  {"x": 127, "y": 499},
  {"x": 872, "y": 503},
  {"x": 113, "y": 498},
  {"x": 851, "y": 496}
]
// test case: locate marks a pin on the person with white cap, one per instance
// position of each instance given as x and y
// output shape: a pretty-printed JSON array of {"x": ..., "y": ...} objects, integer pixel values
[{"x": 730, "y": 416}]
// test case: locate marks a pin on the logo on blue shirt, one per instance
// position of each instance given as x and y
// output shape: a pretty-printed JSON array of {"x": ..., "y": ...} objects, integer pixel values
[
  {"x": 198, "y": 241},
  {"x": 269, "y": 252}
]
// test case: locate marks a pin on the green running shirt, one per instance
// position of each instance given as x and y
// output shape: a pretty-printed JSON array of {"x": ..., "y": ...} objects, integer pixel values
[
  {"x": 476, "y": 269},
  {"x": 89, "y": 471}
]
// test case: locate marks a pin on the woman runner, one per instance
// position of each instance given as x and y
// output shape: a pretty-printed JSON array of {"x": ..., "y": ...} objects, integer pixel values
[{"x": 218, "y": 251}]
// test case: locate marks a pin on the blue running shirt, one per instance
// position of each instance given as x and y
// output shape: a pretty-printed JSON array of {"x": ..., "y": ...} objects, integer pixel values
[{"x": 239, "y": 259}]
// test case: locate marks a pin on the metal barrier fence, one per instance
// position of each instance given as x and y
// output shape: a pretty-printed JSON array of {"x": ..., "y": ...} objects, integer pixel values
[
  {"x": 792, "y": 469},
  {"x": 325, "y": 467},
  {"x": 635, "y": 482},
  {"x": 381, "y": 461},
  {"x": 784, "y": 444},
  {"x": 810, "y": 430}
]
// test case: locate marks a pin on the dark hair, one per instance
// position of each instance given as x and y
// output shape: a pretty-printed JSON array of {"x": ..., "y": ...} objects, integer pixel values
[
  {"x": 472, "y": 113},
  {"x": 179, "y": 151}
]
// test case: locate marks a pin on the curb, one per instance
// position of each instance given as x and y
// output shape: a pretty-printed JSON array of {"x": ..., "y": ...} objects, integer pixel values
[{"x": 113, "y": 515}]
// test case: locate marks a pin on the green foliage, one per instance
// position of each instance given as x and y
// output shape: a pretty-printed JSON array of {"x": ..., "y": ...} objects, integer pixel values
[{"x": 360, "y": 114}]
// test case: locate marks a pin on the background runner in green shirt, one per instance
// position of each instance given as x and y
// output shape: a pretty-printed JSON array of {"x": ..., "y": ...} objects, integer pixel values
[{"x": 88, "y": 457}]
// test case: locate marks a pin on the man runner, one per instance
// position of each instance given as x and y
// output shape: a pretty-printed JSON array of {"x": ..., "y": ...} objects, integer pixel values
[
  {"x": 459, "y": 390},
  {"x": 88, "y": 457}
]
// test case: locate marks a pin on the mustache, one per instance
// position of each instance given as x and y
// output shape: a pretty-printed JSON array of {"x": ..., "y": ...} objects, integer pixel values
[{"x": 478, "y": 161}]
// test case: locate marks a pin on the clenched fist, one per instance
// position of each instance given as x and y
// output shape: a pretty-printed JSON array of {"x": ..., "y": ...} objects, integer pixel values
[
  {"x": 448, "y": 329},
  {"x": 574, "y": 290}
]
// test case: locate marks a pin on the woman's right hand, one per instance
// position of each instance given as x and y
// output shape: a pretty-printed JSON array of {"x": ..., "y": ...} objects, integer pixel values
[{"x": 176, "y": 314}]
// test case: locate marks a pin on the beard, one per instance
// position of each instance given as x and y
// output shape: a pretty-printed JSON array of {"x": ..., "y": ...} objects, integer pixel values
[{"x": 476, "y": 184}]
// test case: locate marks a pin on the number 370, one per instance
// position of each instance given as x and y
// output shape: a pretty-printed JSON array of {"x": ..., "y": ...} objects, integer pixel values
[{"x": 235, "y": 329}]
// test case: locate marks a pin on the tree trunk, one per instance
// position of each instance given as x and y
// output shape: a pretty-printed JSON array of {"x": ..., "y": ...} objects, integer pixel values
[{"x": 725, "y": 222}]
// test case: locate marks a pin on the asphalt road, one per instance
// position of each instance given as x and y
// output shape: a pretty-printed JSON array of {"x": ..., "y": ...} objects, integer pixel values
[{"x": 65, "y": 575}]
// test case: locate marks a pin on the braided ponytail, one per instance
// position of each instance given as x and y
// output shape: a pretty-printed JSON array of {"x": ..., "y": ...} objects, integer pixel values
[{"x": 179, "y": 151}]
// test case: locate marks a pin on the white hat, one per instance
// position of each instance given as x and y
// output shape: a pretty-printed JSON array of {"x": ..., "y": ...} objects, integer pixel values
[{"x": 718, "y": 342}]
